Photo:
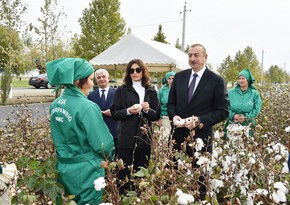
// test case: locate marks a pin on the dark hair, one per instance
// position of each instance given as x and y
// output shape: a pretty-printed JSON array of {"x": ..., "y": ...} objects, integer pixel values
[
  {"x": 83, "y": 81},
  {"x": 198, "y": 45},
  {"x": 145, "y": 73}
]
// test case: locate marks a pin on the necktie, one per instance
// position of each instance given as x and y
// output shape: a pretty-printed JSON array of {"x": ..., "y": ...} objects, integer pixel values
[
  {"x": 191, "y": 87},
  {"x": 103, "y": 99}
]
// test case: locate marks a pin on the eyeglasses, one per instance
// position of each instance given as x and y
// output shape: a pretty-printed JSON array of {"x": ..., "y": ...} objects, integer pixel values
[{"x": 132, "y": 70}]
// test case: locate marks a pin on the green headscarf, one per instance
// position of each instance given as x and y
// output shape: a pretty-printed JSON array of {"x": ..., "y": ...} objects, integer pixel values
[
  {"x": 65, "y": 71},
  {"x": 168, "y": 74},
  {"x": 248, "y": 75}
]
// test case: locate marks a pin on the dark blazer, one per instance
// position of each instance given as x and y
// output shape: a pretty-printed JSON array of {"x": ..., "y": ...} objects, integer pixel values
[
  {"x": 209, "y": 102},
  {"x": 125, "y": 97},
  {"x": 95, "y": 97}
]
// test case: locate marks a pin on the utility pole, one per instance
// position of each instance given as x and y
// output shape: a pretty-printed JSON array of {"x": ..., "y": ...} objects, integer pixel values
[{"x": 183, "y": 26}]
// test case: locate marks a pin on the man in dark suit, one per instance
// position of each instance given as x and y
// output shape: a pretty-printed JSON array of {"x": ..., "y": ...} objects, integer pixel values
[
  {"x": 103, "y": 96},
  {"x": 203, "y": 105}
]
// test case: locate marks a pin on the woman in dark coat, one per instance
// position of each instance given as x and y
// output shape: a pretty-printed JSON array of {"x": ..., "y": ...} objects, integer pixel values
[{"x": 135, "y": 105}]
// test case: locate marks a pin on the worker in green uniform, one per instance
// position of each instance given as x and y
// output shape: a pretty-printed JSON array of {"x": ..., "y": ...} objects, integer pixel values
[
  {"x": 245, "y": 101},
  {"x": 163, "y": 98},
  {"x": 80, "y": 135}
]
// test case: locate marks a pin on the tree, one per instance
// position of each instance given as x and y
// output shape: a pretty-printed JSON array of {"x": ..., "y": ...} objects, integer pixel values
[
  {"x": 160, "y": 37},
  {"x": 230, "y": 68},
  {"x": 11, "y": 12},
  {"x": 177, "y": 44},
  {"x": 101, "y": 25},
  {"x": 275, "y": 74},
  {"x": 49, "y": 32}
]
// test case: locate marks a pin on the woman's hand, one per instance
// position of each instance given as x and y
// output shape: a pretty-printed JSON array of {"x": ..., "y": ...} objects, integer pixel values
[
  {"x": 145, "y": 106},
  {"x": 240, "y": 118},
  {"x": 135, "y": 109}
]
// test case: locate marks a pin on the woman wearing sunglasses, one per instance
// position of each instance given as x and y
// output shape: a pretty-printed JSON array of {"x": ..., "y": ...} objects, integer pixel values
[{"x": 135, "y": 105}]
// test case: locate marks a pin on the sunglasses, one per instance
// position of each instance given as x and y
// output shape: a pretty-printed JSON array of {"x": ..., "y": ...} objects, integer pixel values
[{"x": 132, "y": 70}]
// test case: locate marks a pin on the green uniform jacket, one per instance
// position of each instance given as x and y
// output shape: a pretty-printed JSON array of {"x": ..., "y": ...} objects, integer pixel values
[
  {"x": 247, "y": 103},
  {"x": 163, "y": 98},
  {"x": 82, "y": 141}
]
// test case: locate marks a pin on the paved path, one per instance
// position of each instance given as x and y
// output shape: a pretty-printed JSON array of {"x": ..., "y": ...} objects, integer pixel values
[{"x": 20, "y": 92}]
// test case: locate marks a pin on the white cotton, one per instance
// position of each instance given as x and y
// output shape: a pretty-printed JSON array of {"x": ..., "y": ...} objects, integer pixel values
[
  {"x": 202, "y": 160},
  {"x": 199, "y": 144},
  {"x": 216, "y": 184},
  {"x": 263, "y": 192},
  {"x": 217, "y": 135},
  {"x": 243, "y": 190},
  {"x": 252, "y": 161},
  {"x": 178, "y": 192},
  {"x": 279, "y": 196},
  {"x": 105, "y": 204},
  {"x": 188, "y": 197},
  {"x": 99, "y": 183},
  {"x": 280, "y": 185},
  {"x": 214, "y": 154},
  {"x": 182, "y": 201},
  {"x": 185, "y": 199},
  {"x": 278, "y": 157},
  {"x": 285, "y": 168},
  {"x": 287, "y": 129},
  {"x": 250, "y": 200}
]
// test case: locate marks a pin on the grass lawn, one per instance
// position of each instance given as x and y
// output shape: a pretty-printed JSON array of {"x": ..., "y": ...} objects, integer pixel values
[{"x": 23, "y": 83}]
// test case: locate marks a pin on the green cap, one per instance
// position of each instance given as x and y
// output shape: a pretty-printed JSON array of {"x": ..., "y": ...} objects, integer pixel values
[
  {"x": 248, "y": 75},
  {"x": 65, "y": 71}
]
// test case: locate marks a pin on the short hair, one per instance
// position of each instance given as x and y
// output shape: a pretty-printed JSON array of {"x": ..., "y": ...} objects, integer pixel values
[
  {"x": 198, "y": 45},
  {"x": 101, "y": 70},
  {"x": 145, "y": 73}
]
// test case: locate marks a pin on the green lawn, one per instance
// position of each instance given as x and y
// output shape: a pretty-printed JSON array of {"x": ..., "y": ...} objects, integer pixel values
[{"x": 17, "y": 83}]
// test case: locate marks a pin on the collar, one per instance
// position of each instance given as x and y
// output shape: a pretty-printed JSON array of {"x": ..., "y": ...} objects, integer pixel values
[
  {"x": 106, "y": 89},
  {"x": 199, "y": 73}
]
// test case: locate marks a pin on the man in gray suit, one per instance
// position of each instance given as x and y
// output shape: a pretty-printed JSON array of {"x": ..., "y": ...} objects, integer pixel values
[{"x": 199, "y": 96}]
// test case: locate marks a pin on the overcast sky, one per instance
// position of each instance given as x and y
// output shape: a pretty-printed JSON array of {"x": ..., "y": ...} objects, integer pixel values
[{"x": 223, "y": 26}]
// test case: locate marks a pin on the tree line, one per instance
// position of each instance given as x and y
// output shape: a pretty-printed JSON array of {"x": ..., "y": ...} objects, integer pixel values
[{"x": 26, "y": 47}]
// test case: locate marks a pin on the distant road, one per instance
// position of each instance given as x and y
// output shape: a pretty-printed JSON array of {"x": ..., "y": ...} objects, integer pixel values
[
  {"x": 31, "y": 91},
  {"x": 37, "y": 109}
]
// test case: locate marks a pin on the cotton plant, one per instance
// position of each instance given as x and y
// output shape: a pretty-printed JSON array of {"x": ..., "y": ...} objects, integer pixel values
[{"x": 239, "y": 159}]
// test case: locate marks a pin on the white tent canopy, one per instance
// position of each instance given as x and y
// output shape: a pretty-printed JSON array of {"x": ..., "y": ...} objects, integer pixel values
[{"x": 159, "y": 57}]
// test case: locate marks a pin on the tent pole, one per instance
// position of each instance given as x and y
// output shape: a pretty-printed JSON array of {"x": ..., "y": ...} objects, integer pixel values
[{"x": 115, "y": 74}]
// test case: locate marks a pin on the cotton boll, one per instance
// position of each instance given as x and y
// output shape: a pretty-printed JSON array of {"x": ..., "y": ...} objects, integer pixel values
[
  {"x": 262, "y": 192},
  {"x": 178, "y": 192},
  {"x": 280, "y": 186},
  {"x": 182, "y": 201},
  {"x": 188, "y": 197},
  {"x": 199, "y": 144},
  {"x": 99, "y": 183},
  {"x": 285, "y": 168},
  {"x": 278, "y": 157}
]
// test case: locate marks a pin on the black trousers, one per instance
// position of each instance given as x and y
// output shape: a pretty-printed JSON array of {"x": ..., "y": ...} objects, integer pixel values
[{"x": 136, "y": 157}]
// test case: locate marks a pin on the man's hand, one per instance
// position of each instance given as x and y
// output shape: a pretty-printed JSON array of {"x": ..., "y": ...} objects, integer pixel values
[
  {"x": 191, "y": 122},
  {"x": 178, "y": 121},
  {"x": 106, "y": 112}
]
